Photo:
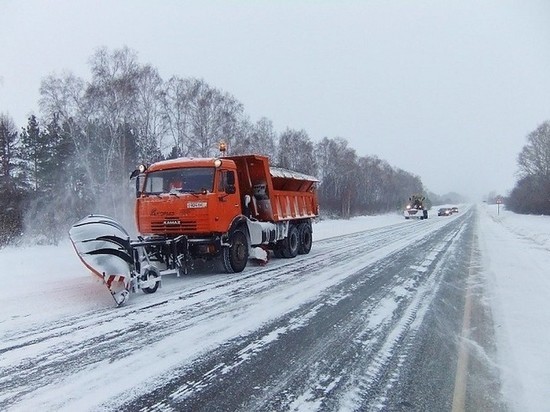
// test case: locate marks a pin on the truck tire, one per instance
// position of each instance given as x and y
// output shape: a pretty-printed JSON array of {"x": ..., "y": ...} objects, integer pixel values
[
  {"x": 306, "y": 238},
  {"x": 235, "y": 256},
  {"x": 291, "y": 243},
  {"x": 149, "y": 275},
  {"x": 278, "y": 251}
]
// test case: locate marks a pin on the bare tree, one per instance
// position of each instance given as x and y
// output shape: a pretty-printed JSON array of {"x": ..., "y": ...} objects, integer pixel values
[
  {"x": 296, "y": 152},
  {"x": 63, "y": 97},
  {"x": 339, "y": 175},
  {"x": 112, "y": 94},
  {"x": 534, "y": 159},
  {"x": 258, "y": 138},
  {"x": 62, "y": 101},
  {"x": 149, "y": 116},
  {"x": 199, "y": 117},
  {"x": 99, "y": 117},
  {"x": 215, "y": 116},
  {"x": 177, "y": 110},
  {"x": 112, "y": 97},
  {"x": 532, "y": 192},
  {"x": 371, "y": 187}
]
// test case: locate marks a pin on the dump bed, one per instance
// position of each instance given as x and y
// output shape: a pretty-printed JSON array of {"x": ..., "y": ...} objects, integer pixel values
[{"x": 276, "y": 194}]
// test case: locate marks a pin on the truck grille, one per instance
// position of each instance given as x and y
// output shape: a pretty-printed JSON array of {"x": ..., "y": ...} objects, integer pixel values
[{"x": 174, "y": 226}]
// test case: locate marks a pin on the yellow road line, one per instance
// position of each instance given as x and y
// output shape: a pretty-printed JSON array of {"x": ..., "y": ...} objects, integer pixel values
[{"x": 459, "y": 395}]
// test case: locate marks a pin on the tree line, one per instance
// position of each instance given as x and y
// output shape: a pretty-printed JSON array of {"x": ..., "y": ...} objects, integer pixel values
[
  {"x": 76, "y": 157},
  {"x": 531, "y": 194}
]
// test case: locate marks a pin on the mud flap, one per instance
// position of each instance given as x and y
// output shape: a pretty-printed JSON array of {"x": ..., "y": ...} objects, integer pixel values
[{"x": 258, "y": 255}]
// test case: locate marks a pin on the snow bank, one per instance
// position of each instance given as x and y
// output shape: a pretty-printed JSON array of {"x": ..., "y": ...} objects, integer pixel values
[{"x": 516, "y": 254}]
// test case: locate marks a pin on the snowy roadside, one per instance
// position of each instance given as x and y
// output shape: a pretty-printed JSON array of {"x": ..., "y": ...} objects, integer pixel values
[{"x": 516, "y": 256}]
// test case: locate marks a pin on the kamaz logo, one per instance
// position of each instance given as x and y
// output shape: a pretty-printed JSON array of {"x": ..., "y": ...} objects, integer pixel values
[{"x": 172, "y": 222}]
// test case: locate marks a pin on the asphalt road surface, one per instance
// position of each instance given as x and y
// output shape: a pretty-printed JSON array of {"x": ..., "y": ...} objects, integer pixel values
[{"x": 389, "y": 319}]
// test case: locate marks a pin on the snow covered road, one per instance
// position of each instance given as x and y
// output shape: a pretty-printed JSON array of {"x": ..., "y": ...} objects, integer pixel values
[{"x": 366, "y": 321}]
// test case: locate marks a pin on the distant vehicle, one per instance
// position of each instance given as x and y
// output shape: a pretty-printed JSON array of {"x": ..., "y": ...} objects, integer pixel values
[
  {"x": 454, "y": 209},
  {"x": 416, "y": 208},
  {"x": 445, "y": 211}
]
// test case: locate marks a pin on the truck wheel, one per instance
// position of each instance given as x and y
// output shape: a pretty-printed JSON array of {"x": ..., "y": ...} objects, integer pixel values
[
  {"x": 291, "y": 243},
  {"x": 235, "y": 256},
  {"x": 278, "y": 251},
  {"x": 306, "y": 238},
  {"x": 150, "y": 276}
]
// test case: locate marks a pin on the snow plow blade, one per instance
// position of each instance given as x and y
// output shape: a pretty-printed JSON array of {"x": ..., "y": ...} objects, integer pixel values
[{"x": 104, "y": 247}]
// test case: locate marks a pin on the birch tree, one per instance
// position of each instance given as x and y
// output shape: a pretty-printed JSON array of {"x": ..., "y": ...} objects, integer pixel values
[
  {"x": 199, "y": 117},
  {"x": 112, "y": 95},
  {"x": 176, "y": 99},
  {"x": 149, "y": 115},
  {"x": 296, "y": 152},
  {"x": 531, "y": 193},
  {"x": 534, "y": 159},
  {"x": 215, "y": 117},
  {"x": 257, "y": 138},
  {"x": 339, "y": 175}
]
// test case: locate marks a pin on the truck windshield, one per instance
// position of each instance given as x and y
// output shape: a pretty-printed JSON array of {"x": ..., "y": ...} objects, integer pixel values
[{"x": 185, "y": 180}]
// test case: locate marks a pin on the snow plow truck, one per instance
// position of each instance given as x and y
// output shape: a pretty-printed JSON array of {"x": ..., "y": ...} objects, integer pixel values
[
  {"x": 416, "y": 208},
  {"x": 230, "y": 208}
]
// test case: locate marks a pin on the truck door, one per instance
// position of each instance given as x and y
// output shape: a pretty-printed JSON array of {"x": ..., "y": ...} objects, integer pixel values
[{"x": 228, "y": 197}]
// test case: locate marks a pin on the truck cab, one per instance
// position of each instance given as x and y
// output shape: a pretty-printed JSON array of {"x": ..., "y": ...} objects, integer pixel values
[{"x": 187, "y": 196}]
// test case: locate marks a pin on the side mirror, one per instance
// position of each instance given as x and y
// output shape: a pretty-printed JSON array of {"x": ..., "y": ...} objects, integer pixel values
[
  {"x": 140, "y": 169},
  {"x": 139, "y": 184}
]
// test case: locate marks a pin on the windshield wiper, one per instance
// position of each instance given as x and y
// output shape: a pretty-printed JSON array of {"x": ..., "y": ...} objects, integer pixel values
[{"x": 192, "y": 192}]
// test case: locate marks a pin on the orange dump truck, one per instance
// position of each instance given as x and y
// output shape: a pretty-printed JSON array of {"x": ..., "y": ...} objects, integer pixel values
[{"x": 232, "y": 208}]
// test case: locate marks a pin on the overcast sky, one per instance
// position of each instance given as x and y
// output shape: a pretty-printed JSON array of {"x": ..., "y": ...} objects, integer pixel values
[{"x": 447, "y": 90}]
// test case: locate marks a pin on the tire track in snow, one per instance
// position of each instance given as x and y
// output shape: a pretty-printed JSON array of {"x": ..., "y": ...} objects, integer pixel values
[
  {"x": 35, "y": 361},
  {"x": 230, "y": 376}
]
